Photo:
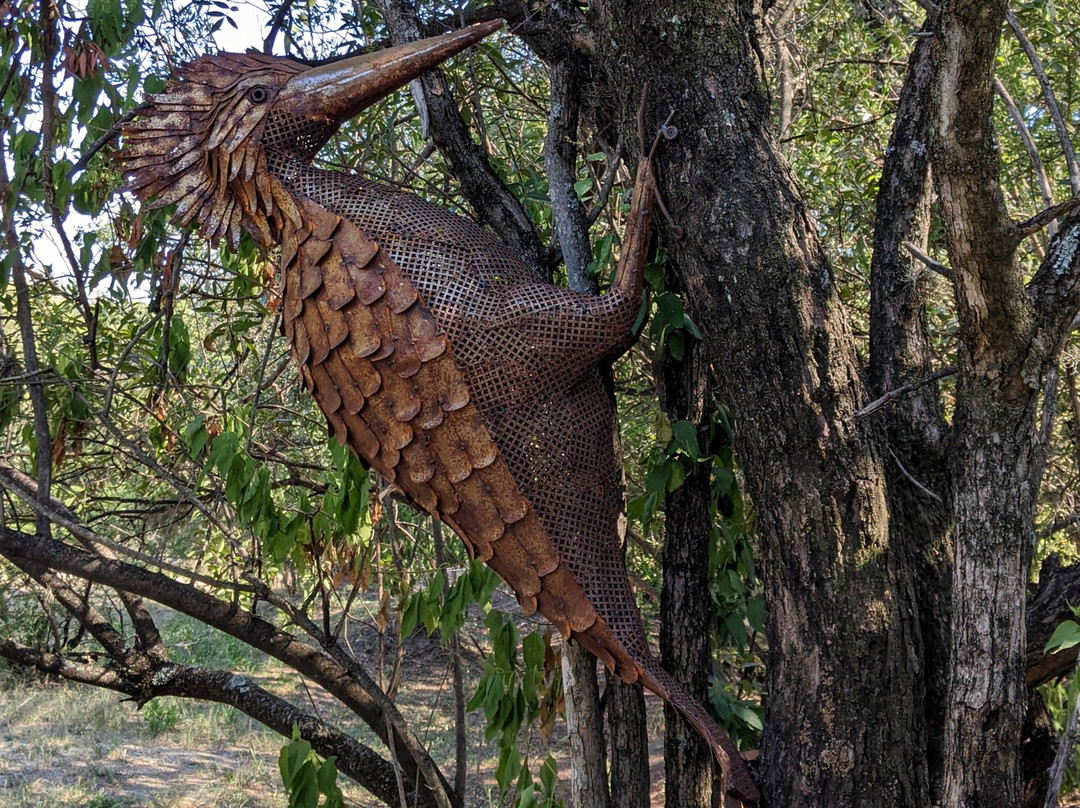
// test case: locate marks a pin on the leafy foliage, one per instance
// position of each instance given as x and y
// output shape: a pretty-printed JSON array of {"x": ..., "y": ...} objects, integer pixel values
[{"x": 309, "y": 781}]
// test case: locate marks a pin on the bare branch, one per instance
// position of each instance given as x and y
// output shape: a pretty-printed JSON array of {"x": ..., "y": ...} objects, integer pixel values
[
  {"x": 359, "y": 693},
  {"x": 1047, "y": 217},
  {"x": 16, "y": 482},
  {"x": 913, "y": 481},
  {"x": 938, "y": 267},
  {"x": 1050, "y": 99},
  {"x": 1029, "y": 145},
  {"x": 24, "y": 317},
  {"x": 488, "y": 194},
  {"x": 902, "y": 390},
  {"x": 560, "y": 158},
  {"x": 275, "y": 25},
  {"x": 112, "y": 134},
  {"x": 354, "y": 759},
  {"x": 48, "y": 125},
  {"x": 614, "y": 160}
]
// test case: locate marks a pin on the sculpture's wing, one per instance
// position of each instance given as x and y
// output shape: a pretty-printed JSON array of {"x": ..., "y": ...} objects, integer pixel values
[{"x": 384, "y": 375}]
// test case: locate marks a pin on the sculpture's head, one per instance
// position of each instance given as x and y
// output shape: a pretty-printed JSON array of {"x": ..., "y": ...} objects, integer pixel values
[{"x": 210, "y": 141}]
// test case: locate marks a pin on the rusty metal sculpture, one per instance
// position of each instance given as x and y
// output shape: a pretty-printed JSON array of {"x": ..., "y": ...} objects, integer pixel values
[{"x": 445, "y": 362}]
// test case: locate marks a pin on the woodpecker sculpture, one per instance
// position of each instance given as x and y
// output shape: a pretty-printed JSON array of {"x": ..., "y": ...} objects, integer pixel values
[{"x": 444, "y": 361}]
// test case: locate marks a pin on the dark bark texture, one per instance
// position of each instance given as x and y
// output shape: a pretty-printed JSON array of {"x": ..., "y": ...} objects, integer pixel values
[
  {"x": 584, "y": 729},
  {"x": 628, "y": 741},
  {"x": 900, "y": 354},
  {"x": 685, "y": 605},
  {"x": 843, "y": 726}
]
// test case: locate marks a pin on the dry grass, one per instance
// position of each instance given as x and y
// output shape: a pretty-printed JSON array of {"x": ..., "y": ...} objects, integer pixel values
[{"x": 64, "y": 746}]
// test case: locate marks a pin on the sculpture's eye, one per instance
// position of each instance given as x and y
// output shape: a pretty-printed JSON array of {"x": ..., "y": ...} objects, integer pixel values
[{"x": 258, "y": 95}]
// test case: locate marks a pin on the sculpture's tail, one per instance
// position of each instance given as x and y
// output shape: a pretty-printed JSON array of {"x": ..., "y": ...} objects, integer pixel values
[{"x": 737, "y": 779}]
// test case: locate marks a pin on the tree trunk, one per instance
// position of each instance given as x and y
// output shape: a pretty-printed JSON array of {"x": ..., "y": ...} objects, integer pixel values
[
  {"x": 843, "y": 726},
  {"x": 993, "y": 527},
  {"x": 685, "y": 604},
  {"x": 629, "y": 743},
  {"x": 584, "y": 729},
  {"x": 919, "y": 485}
]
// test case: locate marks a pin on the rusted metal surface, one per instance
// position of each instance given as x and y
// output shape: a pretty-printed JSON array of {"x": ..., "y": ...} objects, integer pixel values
[{"x": 445, "y": 362}]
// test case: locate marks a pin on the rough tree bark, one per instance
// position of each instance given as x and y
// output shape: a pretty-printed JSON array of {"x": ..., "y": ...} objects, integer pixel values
[
  {"x": 1010, "y": 335},
  {"x": 847, "y": 727},
  {"x": 900, "y": 354},
  {"x": 685, "y": 605},
  {"x": 584, "y": 729}
]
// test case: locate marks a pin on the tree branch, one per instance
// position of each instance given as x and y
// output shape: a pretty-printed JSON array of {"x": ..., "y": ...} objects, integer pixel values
[
  {"x": 995, "y": 316},
  {"x": 560, "y": 158},
  {"x": 1048, "y": 216},
  {"x": 485, "y": 190},
  {"x": 903, "y": 390},
  {"x": 1050, "y": 99},
  {"x": 1029, "y": 145},
  {"x": 256, "y": 632},
  {"x": 24, "y": 488},
  {"x": 938, "y": 267}
]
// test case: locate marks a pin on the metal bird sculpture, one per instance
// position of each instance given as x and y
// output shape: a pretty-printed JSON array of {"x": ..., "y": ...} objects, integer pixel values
[{"x": 446, "y": 363}]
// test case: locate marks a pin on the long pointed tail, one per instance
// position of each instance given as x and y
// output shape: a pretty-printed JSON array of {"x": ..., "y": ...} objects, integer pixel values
[{"x": 737, "y": 779}]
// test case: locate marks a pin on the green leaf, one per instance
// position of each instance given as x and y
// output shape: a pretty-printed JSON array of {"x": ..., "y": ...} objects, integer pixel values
[
  {"x": 1066, "y": 635},
  {"x": 657, "y": 480},
  {"x": 746, "y": 715},
  {"x": 755, "y": 613},
  {"x": 675, "y": 345},
  {"x": 533, "y": 650},
  {"x": 222, "y": 452},
  {"x": 676, "y": 475},
  {"x": 292, "y": 758},
  {"x": 195, "y": 435},
  {"x": 724, "y": 478},
  {"x": 736, "y": 629},
  {"x": 153, "y": 84},
  {"x": 685, "y": 434},
  {"x": 327, "y": 778}
]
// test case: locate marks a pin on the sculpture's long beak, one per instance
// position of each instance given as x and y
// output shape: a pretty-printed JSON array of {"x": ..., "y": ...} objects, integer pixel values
[{"x": 340, "y": 90}]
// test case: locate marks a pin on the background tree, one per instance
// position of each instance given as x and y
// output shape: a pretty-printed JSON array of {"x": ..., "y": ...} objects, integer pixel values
[{"x": 888, "y": 349}]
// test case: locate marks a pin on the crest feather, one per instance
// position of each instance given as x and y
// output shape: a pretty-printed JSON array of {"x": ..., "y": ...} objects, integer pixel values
[{"x": 191, "y": 144}]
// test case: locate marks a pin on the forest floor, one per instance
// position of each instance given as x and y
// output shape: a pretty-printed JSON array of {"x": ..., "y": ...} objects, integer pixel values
[{"x": 74, "y": 746}]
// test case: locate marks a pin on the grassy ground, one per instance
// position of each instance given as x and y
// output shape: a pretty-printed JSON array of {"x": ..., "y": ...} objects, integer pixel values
[{"x": 65, "y": 745}]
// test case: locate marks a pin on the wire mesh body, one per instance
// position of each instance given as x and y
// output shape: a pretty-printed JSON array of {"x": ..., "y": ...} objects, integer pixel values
[{"x": 529, "y": 353}]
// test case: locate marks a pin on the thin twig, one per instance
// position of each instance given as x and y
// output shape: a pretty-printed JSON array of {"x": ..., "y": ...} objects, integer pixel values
[
  {"x": 1029, "y": 145},
  {"x": 112, "y": 133},
  {"x": 1048, "y": 216},
  {"x": 24, "y": 316},
  {"x": 275, "y": 26},
  {"x": 1050, "y": 99},
  {"x": 607, "y": 181},
  {"x": 258, "y": 383},
  {"x": 913, "y": 481},
  {"x": 936, "y": 266},
  {"x": 902, "y": 390},
  {"x": 55, "y": 511}
]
